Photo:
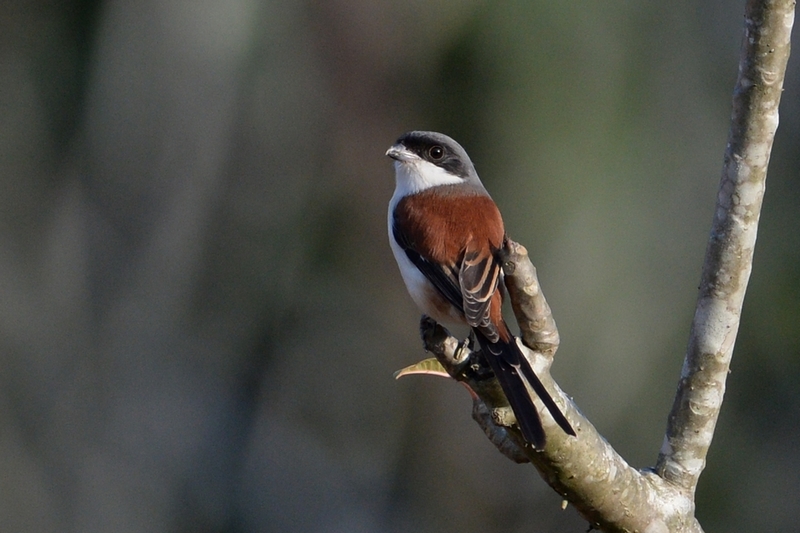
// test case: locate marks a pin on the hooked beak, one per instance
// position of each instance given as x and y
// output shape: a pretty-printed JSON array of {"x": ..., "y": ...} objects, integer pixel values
[{"x": 398, "y": 152}]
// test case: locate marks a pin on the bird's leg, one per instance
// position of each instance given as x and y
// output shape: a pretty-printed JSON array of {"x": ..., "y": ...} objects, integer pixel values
[
  {"x": 457, "y": 357},
  {"x": 464, "y": 349}
]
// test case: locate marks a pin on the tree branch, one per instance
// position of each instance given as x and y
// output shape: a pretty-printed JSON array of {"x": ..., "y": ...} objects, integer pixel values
[
  {"x": 586, "y": 470},
  {"x": 729, "y": 255}
]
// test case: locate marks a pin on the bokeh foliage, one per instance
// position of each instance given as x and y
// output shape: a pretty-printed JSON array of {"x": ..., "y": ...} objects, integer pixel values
[{"x": 200, "y": 314}]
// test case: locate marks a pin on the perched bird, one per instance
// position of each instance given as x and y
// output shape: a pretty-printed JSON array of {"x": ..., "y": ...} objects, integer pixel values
[{"x": 445, "y": 232}]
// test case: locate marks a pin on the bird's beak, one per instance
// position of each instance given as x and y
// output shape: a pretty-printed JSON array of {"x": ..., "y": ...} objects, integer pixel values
[{"x": 398, "y": 152}]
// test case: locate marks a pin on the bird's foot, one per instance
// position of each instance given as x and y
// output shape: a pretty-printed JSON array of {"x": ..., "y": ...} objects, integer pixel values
[
  {"x": 464, "y": 349},
  {"x": 454, "y": 355}
]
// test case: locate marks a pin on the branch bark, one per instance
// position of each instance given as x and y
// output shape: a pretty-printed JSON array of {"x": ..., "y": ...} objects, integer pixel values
[
  {"x": 586, "y": 470},
  {"x": 729, "y": 254}
]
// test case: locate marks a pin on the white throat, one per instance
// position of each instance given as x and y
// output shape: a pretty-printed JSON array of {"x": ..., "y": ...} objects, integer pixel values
[{"x": 417, "y": 175}]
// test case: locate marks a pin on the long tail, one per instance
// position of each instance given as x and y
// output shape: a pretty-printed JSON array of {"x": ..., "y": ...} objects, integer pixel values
[{"x": 513, "y": 371}]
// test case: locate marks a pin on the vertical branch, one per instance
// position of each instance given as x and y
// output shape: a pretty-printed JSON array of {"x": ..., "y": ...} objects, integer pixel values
[{"x": 690, "y": 428}]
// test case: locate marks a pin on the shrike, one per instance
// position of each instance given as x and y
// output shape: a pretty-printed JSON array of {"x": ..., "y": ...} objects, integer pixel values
[{"x": 446, "y": 231}]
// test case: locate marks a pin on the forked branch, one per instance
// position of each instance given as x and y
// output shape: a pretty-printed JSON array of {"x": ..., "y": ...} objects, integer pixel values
[{"x": 586, "y": 470}]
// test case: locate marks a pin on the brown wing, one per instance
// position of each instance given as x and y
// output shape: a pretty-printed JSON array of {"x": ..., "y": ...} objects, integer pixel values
[
  {"x": 478, "y": 277},
  {"x": 452, "y": 243}
]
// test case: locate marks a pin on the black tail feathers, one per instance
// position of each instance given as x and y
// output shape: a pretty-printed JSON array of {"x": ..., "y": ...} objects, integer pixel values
[{"x": 513, "y": 371}]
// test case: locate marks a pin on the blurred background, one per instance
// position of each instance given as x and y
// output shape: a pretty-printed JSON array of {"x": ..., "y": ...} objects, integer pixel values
[{"x": 200, "y": 314}]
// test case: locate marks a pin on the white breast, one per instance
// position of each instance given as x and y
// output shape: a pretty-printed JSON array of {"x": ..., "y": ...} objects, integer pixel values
[
  {"x": 412, "y": 177},
  {"x": 417, "y": 284}
]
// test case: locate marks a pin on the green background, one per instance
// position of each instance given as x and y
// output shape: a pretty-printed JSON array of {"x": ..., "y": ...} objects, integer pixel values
[{"x": 200, "y": 313}]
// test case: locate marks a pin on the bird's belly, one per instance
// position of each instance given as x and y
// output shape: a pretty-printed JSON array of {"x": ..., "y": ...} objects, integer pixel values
[{"x": 425, "y": 295}]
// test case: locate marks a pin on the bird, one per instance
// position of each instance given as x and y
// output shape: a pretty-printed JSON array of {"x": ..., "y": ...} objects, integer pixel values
[{"x": 446, "y": 232}]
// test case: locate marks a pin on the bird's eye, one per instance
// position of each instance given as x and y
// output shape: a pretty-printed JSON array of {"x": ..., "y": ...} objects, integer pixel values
[{"x": 436, "y": 152}]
